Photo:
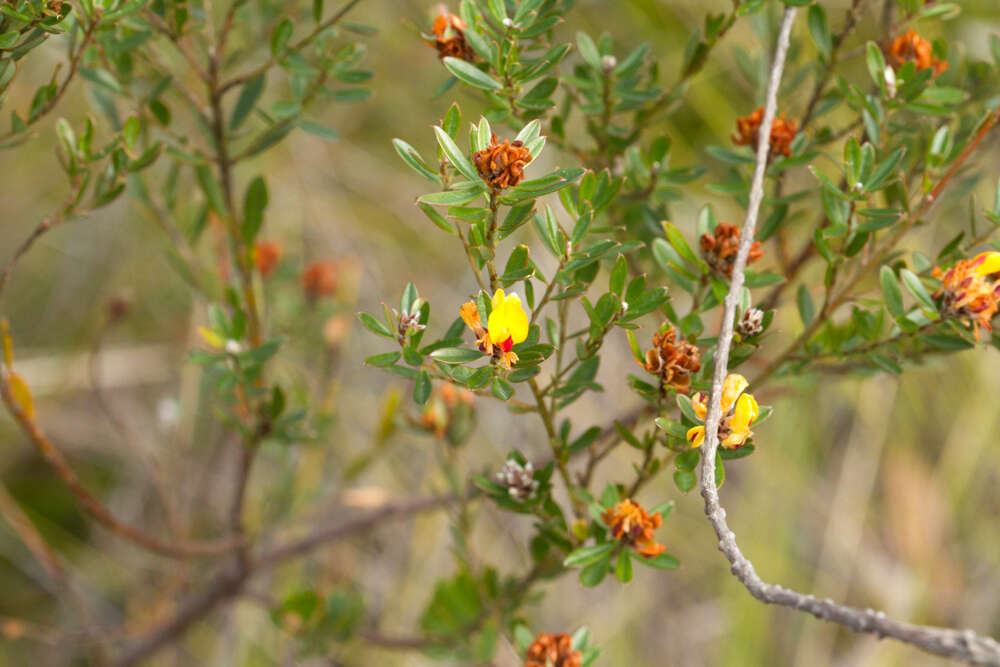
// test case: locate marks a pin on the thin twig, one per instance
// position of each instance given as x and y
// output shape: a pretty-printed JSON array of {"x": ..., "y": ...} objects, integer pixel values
[
  {"x": 230, "y": 581},
  {"x": 961, "y": 644},
  {"x": 174, "y": 549}
]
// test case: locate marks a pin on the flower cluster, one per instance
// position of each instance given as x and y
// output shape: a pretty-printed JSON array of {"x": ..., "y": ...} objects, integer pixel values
[
  {"x": 519, "y": 480},
  {"x": 674, "y": 362},
  {"x": 633, "y": 526},
  {"x": 502, "y": 165},
  {"x": 506, "y": 326},
  {"x": 739, "y": 411},
  {"x": 970, "y": 290},
  {"x": 720, "y": 248},
  {"x": 911, "y": 47},
  {"x": 782, "y": 132},
  {"x": 449, "y": 38},
  {"x": 552, "y": 651},
  {"x": 751, "y": 323}
]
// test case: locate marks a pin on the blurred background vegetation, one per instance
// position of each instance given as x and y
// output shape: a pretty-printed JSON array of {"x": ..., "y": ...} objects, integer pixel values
[{"x": 880, "y": 491}]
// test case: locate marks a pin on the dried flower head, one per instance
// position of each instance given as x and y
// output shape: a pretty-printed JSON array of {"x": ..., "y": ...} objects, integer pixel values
[
  {"x": 519, "y": 480},
  {"x": 448, "y": 414},
  {"x": 739, "y": 411},
  {"x": 970, "y": 290},
  {"x": 335, "y": 330},
  {"x": 266, "y": 255},
  {"x": 552, "y": 651},
  {"x": 782, "y": 132},
  {"x": 319, "y": 279},
  {"x": 633, "y": 526},
  {"x": 449, "y": 38},
  {"x": 118, "y": 307},
  {"x": 672, "y": 361},
  {"x": 502, "y": 165},
  {"x": 720, "y": 248},
  {"x": 751, "y": 324},
  {"x": 507, "y": 326},
  {"x": 911, "y": 47}
]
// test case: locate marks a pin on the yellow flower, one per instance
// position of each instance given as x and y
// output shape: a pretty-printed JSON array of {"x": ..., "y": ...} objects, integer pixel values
[
  {"x": 739, "y": 410},
  {"x": 506, "y": 327}
]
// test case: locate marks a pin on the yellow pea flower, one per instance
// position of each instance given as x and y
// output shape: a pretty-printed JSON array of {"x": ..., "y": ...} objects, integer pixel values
[
  {"x": 506, "y": 326},
  {"x": 739, "y": 410}
]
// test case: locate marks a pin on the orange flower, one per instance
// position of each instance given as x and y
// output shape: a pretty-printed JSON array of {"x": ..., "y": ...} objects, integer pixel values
[
  {"x": 911, "y": 47},
  {"x": 449, "y": 38},
  {"x": 266, "y": 255},
  {"x": 782, "y": 132},
  {"x": 319, "y": 279},
  {"x": 720, "y": 248},
  {"x": 673, "y": 361},
  {"x": 502, "y": 165},
  {"x": 970, "y": 290},
  {"x": 552, "y": 651},
  {"x": 633, "y": 527}
]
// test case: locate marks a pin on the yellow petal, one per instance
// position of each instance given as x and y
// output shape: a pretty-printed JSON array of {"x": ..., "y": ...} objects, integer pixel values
[
  {"x": 700, "y": 404},
  {"x": 508, "y": 319},
  {"x": 990, "y": 263},
  {"x": 731, "y": 390},
  {"x": 8, "y": 346},
  {"x": 696, "y": 435},
  {"x": 746, "y": 411},
  {"x": 498, "y": 298},
  {"x": 517, "y": 320},
  {"x": 21, "y": 394},
  {"x": 213, "y": 339}
]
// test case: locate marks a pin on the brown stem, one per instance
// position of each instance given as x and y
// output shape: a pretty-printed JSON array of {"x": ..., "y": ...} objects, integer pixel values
[{"x": 177, "y": 549}]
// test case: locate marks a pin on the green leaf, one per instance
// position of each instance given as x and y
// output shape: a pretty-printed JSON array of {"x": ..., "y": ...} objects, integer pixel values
[
  {"x": 619, "y": 274},
  {"x": 805, "y": 303},
  {"x": 588, "y": 50},
  {"x": 437, "y": 218},
  {"x": 457, "y": 158},
  {"x": 450, "y": 197},
  {"x": 662, "y": 561},
  {"x": 318, "y": 130},
  {"x": 471, "y": 74},
  {"x": 819, "y": 30},
  {"x": 502, "y": 389},
  {"x": 374, "y": 325},
  {"x": 210, "y": 186},
  {"x": 623, "y": 568},
  {"x": 456, "y": 355},
  {"x": 380, "y": 360},
  {"x": 280, "y": 36},
  {"x": 594, "y": 573},
  {"x": 891, "y": 291},
  {"x": 254, "y": 204},
  {"x": 586, "y": 555},
  {"x": 685, "y": 480},
  {"x": 248, "y": 97},
  {"x": 422, "y": 388},
  {"x": 876, "y": 65},
  {"x": 916, "y": 287}
]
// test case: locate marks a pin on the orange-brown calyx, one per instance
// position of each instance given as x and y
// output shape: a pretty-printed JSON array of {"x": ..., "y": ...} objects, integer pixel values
[
  {"x": 502, "y": 165},
  {"x": 911, "y": 47},
  {"x": 720, "y": 248},
  {"x": 783, "y": 132}
]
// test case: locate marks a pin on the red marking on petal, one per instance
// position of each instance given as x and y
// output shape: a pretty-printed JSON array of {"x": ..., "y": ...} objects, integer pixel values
[{"x": 507, "y": 345}]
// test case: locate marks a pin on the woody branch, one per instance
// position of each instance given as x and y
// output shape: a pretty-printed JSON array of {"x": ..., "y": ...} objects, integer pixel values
[{"x": 963, "y": 645}]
